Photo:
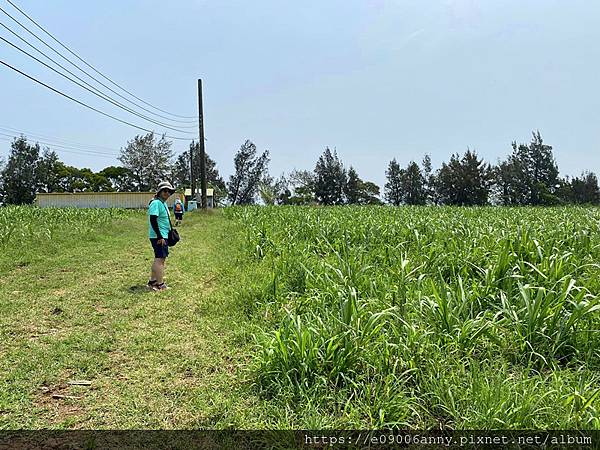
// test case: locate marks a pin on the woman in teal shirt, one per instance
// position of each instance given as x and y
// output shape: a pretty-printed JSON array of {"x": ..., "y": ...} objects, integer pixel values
[{"x": 158, "y": 231}]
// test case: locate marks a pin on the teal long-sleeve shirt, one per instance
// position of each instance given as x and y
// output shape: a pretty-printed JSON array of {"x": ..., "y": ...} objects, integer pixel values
[{"x": 158, "y": 208}]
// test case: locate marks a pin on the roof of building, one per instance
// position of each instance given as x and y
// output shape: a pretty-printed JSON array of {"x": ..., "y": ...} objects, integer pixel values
[{"x": 52, "y": 194}]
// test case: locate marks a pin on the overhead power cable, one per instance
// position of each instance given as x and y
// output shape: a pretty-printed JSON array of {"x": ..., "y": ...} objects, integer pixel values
[
  {"x": 67, "y": 149},
  {"x": 16, "y": 131},
  {"x": 51, "y": 144},
  {"x": 87, "y": 73},
  {"x": 81, "y": 149},
  {"x": 73, "y": 74},
  {"x": 45, "y": 142},
  {"x": 98, "y": 94},
  {"x": 84, "y": 104}
]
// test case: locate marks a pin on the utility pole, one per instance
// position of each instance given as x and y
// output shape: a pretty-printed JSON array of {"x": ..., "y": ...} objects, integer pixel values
[
  {"x": 201, "y": 142},
  {"x": 192, "y": 175}
]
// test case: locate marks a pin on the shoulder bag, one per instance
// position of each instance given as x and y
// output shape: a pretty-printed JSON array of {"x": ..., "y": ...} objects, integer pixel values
[{"x": 173, "y": 233}]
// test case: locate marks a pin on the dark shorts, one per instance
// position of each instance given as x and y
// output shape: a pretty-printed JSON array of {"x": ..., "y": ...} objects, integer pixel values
[
  {"x": 160, "y": 251},
  {"x": 179, "y": 216}
]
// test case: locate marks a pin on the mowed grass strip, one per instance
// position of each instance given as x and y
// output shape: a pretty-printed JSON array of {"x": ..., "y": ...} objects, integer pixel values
[{"x": 84, "y": 345}]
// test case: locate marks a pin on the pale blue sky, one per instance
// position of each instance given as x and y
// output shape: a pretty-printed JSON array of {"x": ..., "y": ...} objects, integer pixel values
[{"x": 376, "y": 79}]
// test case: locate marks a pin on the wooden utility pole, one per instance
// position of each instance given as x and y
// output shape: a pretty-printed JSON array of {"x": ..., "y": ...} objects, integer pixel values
[
  {"x": 192, "y": 174},
  {"x": 202, "y": 151}
]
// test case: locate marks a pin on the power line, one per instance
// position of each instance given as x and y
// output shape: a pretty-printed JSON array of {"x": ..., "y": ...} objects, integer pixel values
[
  {"x": 79, "y": 148},
  {"x": 66, "y": 150},
  {"x": 82, "y": 147},
  {"x": 75, "y": 75},
  {"x": 90, "y": 66},
  {"x": 84, "y": 104},
  {"x": 59, "y": 140},
  {"x": 100, "y": 94},
  {"x": 59, "y": 148},
  {"x": 78, "y": 67},
  {"x": 59, "y": 145}
]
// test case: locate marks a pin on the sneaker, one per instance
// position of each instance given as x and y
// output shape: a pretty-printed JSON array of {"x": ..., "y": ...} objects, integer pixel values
[{"x": 160, "y": 287}]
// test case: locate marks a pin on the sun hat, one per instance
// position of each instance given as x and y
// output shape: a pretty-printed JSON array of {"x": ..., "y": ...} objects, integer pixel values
[{"x": 165, "y": 185}]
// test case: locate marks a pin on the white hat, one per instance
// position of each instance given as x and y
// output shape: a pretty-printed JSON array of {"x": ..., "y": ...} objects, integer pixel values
[{"x": 165, "y": 185}]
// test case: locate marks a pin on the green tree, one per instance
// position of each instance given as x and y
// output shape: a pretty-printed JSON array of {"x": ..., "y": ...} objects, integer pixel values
[
  {"x": 250, "y": 169},
  {"x": 585, "y": 189},
  {"x": 120, "y": 178},
  {"x": 181, "y": 172},
  {"x": 274, "y": 191},
  {"x": 149, "y": 161},
  {"x": 429, "y": 177},
  {"x": 73, "y": 179},
  {"x": 544, "y": 171},
  {"x": 301, "y": 185},
  {"x": 213, "y": 177},
  {"x": 506, "y": 183},
  {"x": 48, "y": 170},
  {"x": 266, "y": 190},
  {"x": 359, "y": 192},
  {"x": 477, "y": 179},
  {"x": 330, "y": 179},
  {"x": 464, "y": 181},
  {"x": 280, "y": 189},
  {"x": 353, "y": 187},
  {"x": 564, "y": 191},
  {"x": 369, "y": 193},
  {"x": 530, "y": 175},
  {"x": 449, "y": 181},
  {"x": 393, "y": 185},
  {"x": 95, "y": 182},
  {"x": 412, "y": 185},
  {"x": 20, "y": 177},
  {"x": 70, "y": 179}
]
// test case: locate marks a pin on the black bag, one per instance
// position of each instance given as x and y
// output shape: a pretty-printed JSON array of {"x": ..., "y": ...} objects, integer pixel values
[{"x": 173, "y": 237}]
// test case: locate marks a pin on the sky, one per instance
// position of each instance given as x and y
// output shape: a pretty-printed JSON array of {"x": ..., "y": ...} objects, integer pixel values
[{"x": 373, "y": 79}]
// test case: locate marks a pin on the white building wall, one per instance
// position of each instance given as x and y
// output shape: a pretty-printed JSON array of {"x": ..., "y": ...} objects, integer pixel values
[{"x": 130, "y": 200}]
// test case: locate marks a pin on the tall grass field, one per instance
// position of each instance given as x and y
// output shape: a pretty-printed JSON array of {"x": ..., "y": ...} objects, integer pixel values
[
  {"x": 27, "y": 231},
  {"x": 428, "y": 317}
]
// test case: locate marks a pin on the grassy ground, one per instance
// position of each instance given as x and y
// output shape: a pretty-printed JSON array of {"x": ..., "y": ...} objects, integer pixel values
[
  {"x": 75, "y": 308},
  {"x": 304, "y": 318}
]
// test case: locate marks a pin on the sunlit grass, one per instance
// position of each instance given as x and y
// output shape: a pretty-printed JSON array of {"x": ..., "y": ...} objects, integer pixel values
[
  {"x": 301, "y": 317},
  {"x": 457, "y": 317}
]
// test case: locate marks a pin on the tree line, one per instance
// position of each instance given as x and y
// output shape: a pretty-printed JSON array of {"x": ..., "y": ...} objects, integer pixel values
[
  {"x": 528, "y": 176},
  {"x": 146, "y": 160}
]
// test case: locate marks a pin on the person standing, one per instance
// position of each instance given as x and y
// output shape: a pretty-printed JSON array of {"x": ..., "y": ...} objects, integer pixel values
[
  {"x": 178, "y": 210},
  {"x": 158, "y": 231}
]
